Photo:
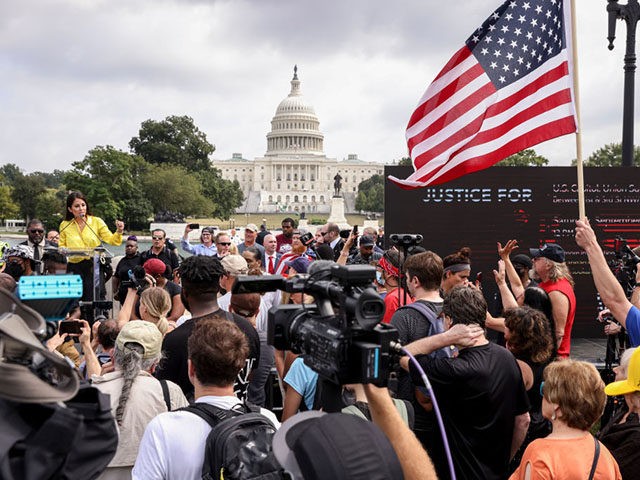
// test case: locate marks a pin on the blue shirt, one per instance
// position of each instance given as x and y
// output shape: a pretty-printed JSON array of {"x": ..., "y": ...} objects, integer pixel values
[
  {"x": 633, "y": 325},
  {"x": 303, "y": 380},
  {"x": 199, "y": 249}
]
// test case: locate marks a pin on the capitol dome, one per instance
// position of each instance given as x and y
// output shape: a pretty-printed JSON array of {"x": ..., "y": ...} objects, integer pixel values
[{"x": 295, "y": 128}]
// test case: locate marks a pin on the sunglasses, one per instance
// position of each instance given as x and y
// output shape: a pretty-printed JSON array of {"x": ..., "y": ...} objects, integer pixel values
[
  {"x": 226, "y": 244},
  {"x": 35, "y": 230},
  {"x": 157, "y": 238}
]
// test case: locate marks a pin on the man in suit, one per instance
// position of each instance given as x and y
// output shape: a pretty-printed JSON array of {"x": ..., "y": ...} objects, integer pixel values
[
  {"x": 271, "y": 257},
  {"x": 331, "y": 235},
  {"x": 36, "y": 240}
]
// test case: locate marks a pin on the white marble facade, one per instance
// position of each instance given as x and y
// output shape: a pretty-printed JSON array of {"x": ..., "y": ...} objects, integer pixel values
[{"x": 295, "y": 175}]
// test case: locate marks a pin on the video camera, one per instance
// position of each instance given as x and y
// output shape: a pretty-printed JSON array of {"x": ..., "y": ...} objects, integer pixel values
[
  {"x": 137, "y": 279},
  {"x": 340, "y": 335},
  {"x": 625, "y": 265}
]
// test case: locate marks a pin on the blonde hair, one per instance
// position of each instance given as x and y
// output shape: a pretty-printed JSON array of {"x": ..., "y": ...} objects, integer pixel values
[
  {"x": 158, "y": 304},
  {"x": 558, "y": 271},
  {"x": 233, "y": 249},
  {"x": 577, "y": 389}
]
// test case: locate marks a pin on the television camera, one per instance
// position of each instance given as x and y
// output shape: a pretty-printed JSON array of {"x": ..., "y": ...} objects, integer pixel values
[
  {"x": 624, "y": 265},
  {"x": 340, "y": 335}
]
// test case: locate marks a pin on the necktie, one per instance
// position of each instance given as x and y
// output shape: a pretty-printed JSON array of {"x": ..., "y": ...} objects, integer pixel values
[
  {"x": 36, "y": 252},
  {"x": 271, "y": 269}
]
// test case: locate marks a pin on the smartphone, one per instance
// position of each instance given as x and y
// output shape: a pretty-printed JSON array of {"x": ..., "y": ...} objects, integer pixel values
[
  {"x": 355, "y": 229},
  {"x": 73, "y": 327},
  {"x": 194, "y": 226}
]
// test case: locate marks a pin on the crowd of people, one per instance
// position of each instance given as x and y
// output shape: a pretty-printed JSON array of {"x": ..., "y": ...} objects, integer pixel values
[{"x": 512, "y": 403}]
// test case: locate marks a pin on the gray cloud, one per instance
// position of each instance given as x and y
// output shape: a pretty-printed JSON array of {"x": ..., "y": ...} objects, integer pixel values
[{"x": 79, "y": 74}]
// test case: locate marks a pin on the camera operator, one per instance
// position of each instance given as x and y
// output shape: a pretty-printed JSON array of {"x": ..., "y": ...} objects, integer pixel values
[{"x": 626, "y": 312}]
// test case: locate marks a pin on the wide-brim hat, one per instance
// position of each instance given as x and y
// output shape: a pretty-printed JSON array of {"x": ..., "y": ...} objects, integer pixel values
[{"x": 30, "y": 373}]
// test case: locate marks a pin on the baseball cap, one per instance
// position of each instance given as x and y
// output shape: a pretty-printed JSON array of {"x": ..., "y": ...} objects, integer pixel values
[
  {"x": 300, "y": 264},
  {"x": 154, "y": 266},
  {"x": 252, "y": 227},
  {"x": 334, "y": 445},
  {"x": 366, "y": 241},
  {"x": 522, "y": 259},
  {"x": 552, "y": 251},
  {"x": 631, "y": 383},
  {"x": 235, "y": 265},
  {"x": 144, "y": 333}
]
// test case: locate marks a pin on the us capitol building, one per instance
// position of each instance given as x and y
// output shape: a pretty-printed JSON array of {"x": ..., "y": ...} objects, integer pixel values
[{"x": 295, "y": 175}]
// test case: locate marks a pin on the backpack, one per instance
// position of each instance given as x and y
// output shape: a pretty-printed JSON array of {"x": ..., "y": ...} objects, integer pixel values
[
  {"x": 239, "y": 445},
  {"x": 43, "y": 441},
  {"x": 436, "y": 324}
]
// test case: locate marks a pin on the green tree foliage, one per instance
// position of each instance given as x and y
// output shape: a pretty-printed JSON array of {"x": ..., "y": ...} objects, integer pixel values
[
  {"x": 8, "y": 208},
  {"x": 173, "y": 188},
  {"x": 225, "y": 195},
  {"x": 525, "y": 158},
  {"x": 112, "y": 182},
  {"x": 371, "y": 194},
  {"x": 609, "y": 156},
  {"x": 405, "y": 162},
  {"x": 174, "y": 140},
  {"x": 50, "y": 206},
  {"x": 26, "y": 191},
  {"x": 10, "y": 172},
  {"x": 53, "y": 179}
]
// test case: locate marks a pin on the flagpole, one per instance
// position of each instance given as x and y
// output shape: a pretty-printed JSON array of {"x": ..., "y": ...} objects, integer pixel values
[{"x": 576, "y": 92}]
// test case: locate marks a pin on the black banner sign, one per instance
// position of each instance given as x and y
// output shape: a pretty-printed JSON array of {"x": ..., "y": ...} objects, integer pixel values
[{"x": 534, "y": 205}]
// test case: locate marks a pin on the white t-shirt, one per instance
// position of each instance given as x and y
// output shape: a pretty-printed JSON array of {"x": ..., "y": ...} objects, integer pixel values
[{"x": 173, "y": 443}]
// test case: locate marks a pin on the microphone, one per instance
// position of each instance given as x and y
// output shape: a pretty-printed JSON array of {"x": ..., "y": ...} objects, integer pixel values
[{"x": 82, "y": 215}]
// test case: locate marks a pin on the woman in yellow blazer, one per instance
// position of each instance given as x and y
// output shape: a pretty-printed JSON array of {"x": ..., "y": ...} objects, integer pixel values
[{"x": 82, "y": 231}]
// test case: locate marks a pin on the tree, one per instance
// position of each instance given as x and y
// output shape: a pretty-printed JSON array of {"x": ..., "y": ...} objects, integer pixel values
[
  {"x": 609, "y": 156},
  {"x": 26, "y": 191},
  {"x": 10, "y": 172},
  {"x": 172, "y": 188},
  {"x": 371, "y": 194},
  {"x": 174, "y": 140},
  {"x": 112, "y": 181},
  {"x": 405, "y": 162},
  {"x": 54, "y": 179},
  {"x": 8, "y": 208},
  {"x": 225, "y": 195},
  {"x": 525, "y": 158},
  {"x": 50, "y": 206}
]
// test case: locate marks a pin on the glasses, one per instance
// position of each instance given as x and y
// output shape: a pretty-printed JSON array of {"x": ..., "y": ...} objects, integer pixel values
[
  {"x": 226, "y": 244},
  {"x": 157, "y": 238},
  {"x": 36, "y": 230},
  {"x": 542, "y": 389}
]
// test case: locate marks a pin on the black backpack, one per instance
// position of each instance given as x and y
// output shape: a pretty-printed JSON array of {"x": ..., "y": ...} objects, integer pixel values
[
  {"x": 239, "y": 445},
  {"x": 48, "y": 441}
]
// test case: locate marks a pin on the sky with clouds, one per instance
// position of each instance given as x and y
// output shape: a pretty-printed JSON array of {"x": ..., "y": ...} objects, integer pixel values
[{"x": 75, "y": 73}]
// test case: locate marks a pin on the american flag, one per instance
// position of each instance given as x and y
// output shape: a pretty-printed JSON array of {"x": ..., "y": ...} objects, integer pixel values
[{"x": 508, "y": 88}]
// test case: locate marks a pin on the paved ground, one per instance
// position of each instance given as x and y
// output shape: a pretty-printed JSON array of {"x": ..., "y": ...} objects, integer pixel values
[{"x": 589, "y": 350}]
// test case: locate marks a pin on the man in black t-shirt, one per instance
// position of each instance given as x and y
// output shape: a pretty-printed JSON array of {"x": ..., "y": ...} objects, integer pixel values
[
  {"x": 424, "y": 273},
  {"x": 200, "y": 277},
  {"x": 480, "y": 392}
]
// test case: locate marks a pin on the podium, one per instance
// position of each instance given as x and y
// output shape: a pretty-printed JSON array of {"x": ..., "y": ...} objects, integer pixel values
[{"x": 95, "y": 303}]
